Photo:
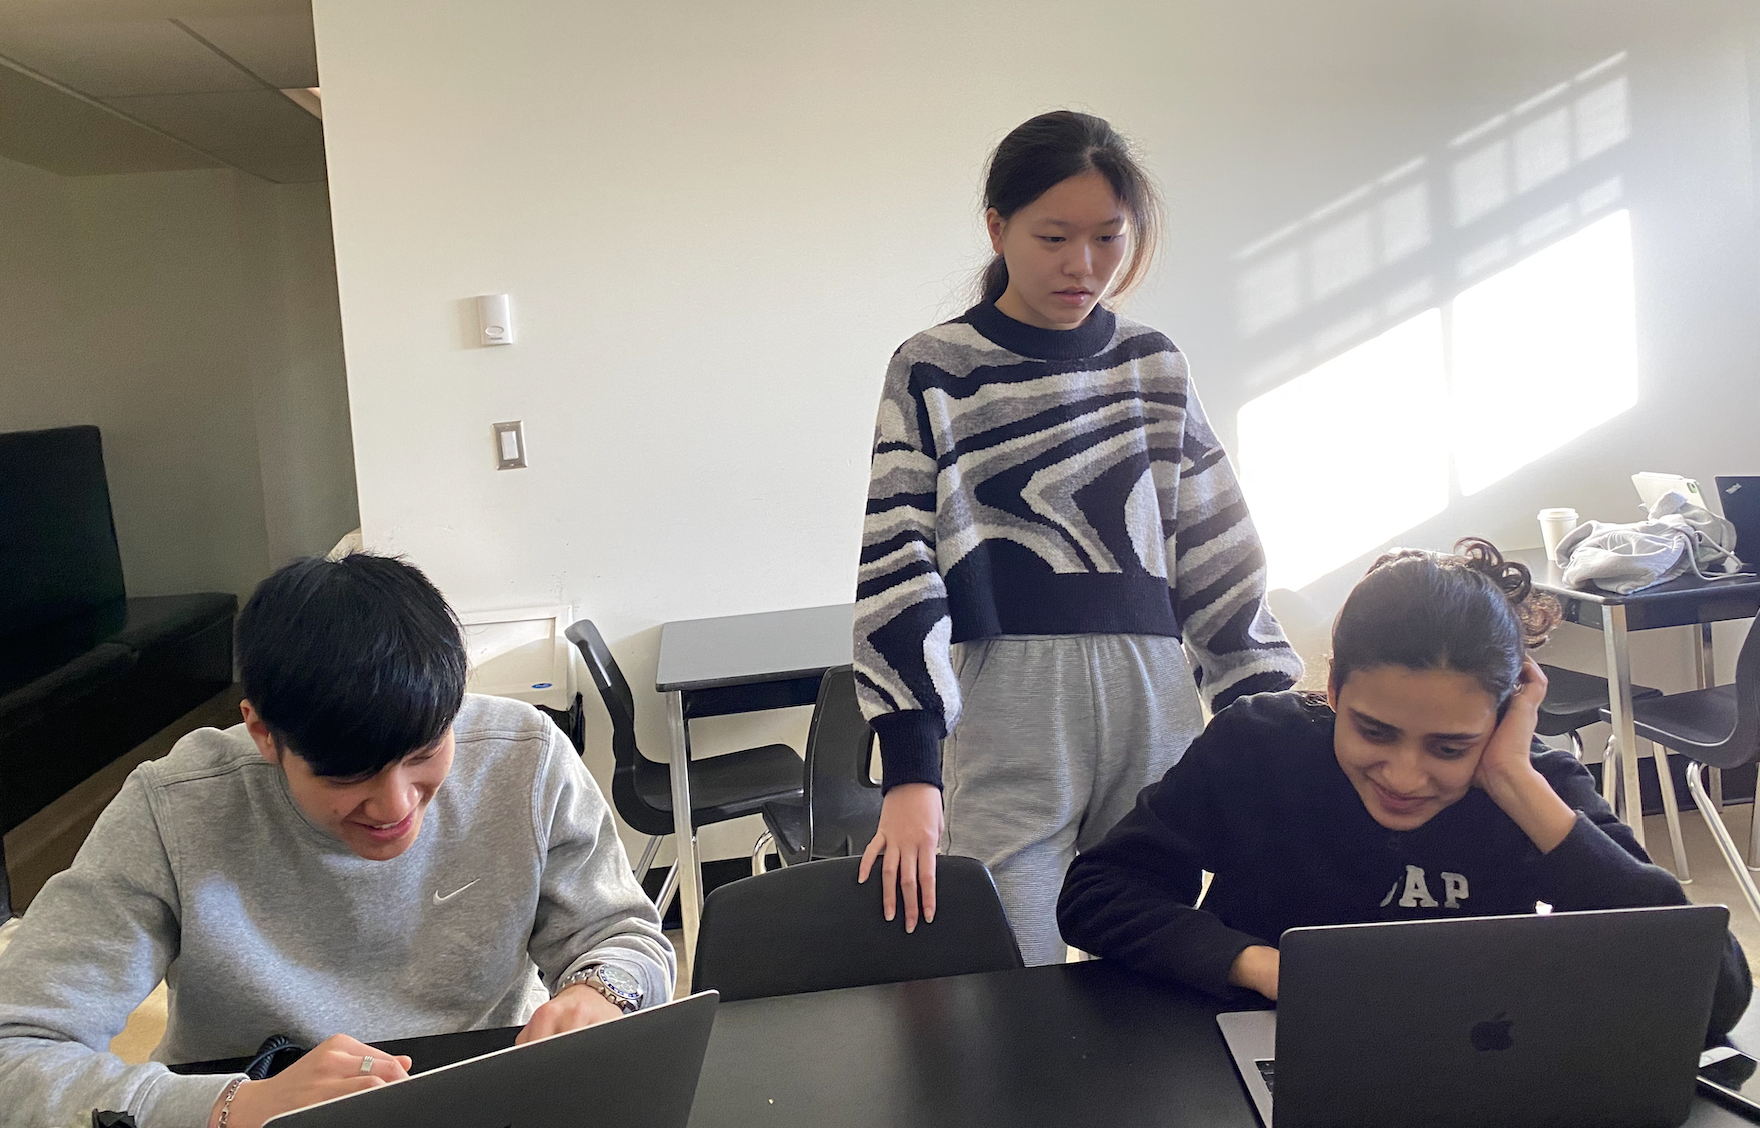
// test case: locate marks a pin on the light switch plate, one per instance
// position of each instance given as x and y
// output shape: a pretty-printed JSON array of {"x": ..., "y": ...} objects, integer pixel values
[{"x": 510, "y": 445}]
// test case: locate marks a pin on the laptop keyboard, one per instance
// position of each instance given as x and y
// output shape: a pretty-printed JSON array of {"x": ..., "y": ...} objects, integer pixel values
[{"x": 1267, "y": 1069}]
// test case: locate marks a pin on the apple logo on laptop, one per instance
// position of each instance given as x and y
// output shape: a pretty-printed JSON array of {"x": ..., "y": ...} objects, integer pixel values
[{"x": 1493, "y": 1034}]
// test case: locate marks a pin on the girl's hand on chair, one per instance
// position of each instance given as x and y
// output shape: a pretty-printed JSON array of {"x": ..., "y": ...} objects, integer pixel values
[{"x": 909, "y": 835}]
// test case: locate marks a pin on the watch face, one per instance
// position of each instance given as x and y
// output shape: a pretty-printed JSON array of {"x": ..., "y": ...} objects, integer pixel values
[{"x": 620, "y": 981}]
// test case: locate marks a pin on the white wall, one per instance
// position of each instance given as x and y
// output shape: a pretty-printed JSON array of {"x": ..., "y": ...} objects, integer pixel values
[
  {"x": 299, "y": 387},
  {"x": 717, "y": 221},
  {"x": 36, "y": 302},
  {"x": 192, "y": 317}
]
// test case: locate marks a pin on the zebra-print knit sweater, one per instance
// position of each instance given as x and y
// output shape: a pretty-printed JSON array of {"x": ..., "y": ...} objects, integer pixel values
[{"x": 1035, "y": 481}]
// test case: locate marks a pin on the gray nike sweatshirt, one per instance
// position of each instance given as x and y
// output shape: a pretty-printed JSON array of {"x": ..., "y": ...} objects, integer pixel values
[{"x": 205, "y": 873}]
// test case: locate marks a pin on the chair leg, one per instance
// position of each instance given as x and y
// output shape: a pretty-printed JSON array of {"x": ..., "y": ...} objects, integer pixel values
[
  {"x": 1610, "y": 789},
  {"x": 1672, "y": 811},
  {"x": 759, "y": 849},
  {"x": 1714, "y": 779},
  {"x": 1577, "y": 745},
  {"x": 1720, "y": 833},
  {"x": 1754, "y": 835},
  {"x": 648, "y": 852},
  {"x": 667, "y": 888}
]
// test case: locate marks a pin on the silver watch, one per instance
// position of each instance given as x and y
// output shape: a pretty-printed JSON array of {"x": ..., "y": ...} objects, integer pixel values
[{"x": 618, "y": 986}]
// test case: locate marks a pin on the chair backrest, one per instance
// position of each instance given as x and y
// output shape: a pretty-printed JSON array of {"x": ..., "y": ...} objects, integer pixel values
[
  {"x": 620, "y": 705},
  {"x": 1743, "y": 746},
  {"x": 812, "y": 928},
  {"x": 842, "y": 800}
]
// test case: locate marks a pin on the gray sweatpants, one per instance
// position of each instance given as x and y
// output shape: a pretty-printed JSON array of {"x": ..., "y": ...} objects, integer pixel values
[{"x": 1057, "y": 736}]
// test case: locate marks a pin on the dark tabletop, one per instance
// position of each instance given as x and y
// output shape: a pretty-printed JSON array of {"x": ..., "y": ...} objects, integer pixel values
[
  {"x": 1681, "y": 601},
  {"x": 741, "y": 649},
  {"x": 1077, "y": 1044},
  {"x": 1066, "y": 1045}
]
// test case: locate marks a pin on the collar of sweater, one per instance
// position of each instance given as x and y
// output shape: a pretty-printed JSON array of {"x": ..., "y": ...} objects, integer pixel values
[{"x": 1022, "y": 339}]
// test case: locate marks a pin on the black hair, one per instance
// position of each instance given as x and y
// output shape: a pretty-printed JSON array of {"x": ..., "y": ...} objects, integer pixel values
[
  {"x": 1472, "y": 612},
  {"x": 352, "y": 663},
  {"x": 1043, "y": 152}
]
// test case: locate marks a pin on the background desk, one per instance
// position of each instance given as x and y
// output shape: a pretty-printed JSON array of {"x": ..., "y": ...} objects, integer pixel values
[
  {"x": 737, "y": 664},
  {"x": 1684, "y": 602},
  {"x": 1059, "y": 1046}
]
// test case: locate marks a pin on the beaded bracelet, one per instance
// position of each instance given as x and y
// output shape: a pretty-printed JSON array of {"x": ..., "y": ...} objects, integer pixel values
[{"x": 226, "y": 1102}]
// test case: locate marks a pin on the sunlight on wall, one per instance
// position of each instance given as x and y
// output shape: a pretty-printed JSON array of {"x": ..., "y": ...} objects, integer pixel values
[
  {"x": 1543, "y": 352},
  {"x": 1333, "y": 248},
  {"x": 1336, "y": 461},
  {"x": 1571, "y": 126},
  {"x": 1358, "y": 450},
  {"x": 1377, "y": 415},
  {"x": 1539, "y": 140}
]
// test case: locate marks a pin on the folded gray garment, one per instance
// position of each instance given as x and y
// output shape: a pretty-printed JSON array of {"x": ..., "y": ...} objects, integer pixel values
[{"x": 1680, "y": 536}]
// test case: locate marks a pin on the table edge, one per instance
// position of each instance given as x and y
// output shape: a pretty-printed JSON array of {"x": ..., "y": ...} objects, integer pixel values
[{"x": 744, "y": 679}]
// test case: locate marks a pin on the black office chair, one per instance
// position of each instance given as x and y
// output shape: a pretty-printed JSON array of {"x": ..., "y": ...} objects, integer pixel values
[
  {"x": 723, "y": 787},
  {"x": 812, "y": 928},
  {"x": 1575, "y": 701},
  {"x": 1719, "y": 728},
  {"x": 840, "y": 807}
]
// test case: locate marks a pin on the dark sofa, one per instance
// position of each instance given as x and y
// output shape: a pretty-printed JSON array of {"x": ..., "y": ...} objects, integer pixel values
[{"x": 86, "y": 673}]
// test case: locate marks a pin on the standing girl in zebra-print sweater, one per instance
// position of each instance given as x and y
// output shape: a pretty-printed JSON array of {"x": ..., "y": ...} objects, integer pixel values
[{"x": 1049, "y": 515}]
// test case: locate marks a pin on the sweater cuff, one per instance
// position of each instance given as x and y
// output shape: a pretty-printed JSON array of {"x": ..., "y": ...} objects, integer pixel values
[
  {"x": 910, "y": 748},
  {"x": 1264, "y": 681},
  {"x": 1208, "y": 968},
  {"x": 175, "y": 1101},
  {"x": 1209, "y": 971},
  {"x": 656, "y": 984}
]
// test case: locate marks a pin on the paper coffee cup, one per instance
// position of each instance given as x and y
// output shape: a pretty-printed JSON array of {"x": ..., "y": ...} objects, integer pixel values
[{"x": 1554, "y": 525}]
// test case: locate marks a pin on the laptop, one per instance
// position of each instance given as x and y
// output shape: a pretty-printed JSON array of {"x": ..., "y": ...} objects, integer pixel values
[
  {"x": 1535, "y": 1021},
  {"x": 1739, "y": 494},
  {"x": 1652, "y": 486},
  {"x": 634, "y": 1072}
]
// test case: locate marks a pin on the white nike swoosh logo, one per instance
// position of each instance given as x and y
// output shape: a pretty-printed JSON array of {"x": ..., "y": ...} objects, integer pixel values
[{"x": 439, "y": 900}]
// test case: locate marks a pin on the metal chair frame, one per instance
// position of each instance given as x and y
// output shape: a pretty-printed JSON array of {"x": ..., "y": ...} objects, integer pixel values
[
  {"x": 831, "y": 771},
  {"x": 1610, "y": 777},
  {"x": 1739, "y": 748},
  {"x": 619, "y": 702}
]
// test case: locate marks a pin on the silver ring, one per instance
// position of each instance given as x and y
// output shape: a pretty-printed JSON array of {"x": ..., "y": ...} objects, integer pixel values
[{"x": 367, "y": 1064}]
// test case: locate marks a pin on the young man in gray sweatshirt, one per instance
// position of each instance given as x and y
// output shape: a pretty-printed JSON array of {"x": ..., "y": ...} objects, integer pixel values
[{"x": 370, "y": 855}]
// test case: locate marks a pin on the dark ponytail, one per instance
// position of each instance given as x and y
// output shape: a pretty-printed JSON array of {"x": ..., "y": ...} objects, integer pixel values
[
  {"x": 1045, "y": 151},
  {"x": 1473, "y": 612},
  {"x": 993, "y": 283}
]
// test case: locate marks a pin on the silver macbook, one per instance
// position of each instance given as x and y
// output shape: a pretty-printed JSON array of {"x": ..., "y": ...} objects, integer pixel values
[
  {"x": 635, "y": 1072},
  {"x": 1534, "y": 1021}
]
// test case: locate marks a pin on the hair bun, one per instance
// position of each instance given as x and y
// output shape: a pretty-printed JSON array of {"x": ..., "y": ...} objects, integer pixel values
[
  {"x": 1511, "y": 578},
  {"x": 1539, "y": 612}
]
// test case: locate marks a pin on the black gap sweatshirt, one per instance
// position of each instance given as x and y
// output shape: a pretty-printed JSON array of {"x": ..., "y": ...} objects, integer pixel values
[{"x": 1260, "y": 802}]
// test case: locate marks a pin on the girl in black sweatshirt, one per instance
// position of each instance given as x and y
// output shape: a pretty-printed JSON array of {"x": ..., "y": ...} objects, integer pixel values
[{"x": 1413, "y": 789}]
